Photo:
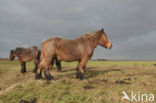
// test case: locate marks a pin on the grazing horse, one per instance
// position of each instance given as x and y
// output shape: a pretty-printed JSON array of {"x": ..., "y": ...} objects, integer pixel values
[
  {"x": 81, "y": 50},
  {"x": 24, "y": 55}
]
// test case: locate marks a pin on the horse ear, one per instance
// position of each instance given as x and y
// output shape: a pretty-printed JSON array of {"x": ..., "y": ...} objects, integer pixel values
[
  {"x": 12, "y": 51},
  {"x": 102, "y": 30}
]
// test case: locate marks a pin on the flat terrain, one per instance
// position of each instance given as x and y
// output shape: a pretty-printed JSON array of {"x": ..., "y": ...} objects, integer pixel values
[{"x": 104, "y": 83}]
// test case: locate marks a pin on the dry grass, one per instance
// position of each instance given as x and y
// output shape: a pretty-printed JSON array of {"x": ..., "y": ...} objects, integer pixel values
[{"x": 105, "y": 81}]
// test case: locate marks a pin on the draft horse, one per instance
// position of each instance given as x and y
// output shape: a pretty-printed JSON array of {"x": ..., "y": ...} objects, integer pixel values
[
  {"x": 81, "y": 50},
  {"x": 24, "y": 55}
]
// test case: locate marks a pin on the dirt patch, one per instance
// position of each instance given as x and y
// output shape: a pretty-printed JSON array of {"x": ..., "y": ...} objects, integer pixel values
[
  {"x": 97, "y": 81},
  {"x": 127, "y": 79},
  {"x": 130, "y": 75},
  {"x": 103, "y": 80},
  {"x": 121, "y": 82},
  {"x": 110, "y": 70},
  {"x": 29, "y": 101},
  {"x": 88, "y": 87},
  {"x": 154, "y": 64},
  {"x": 15, "y": 77}
]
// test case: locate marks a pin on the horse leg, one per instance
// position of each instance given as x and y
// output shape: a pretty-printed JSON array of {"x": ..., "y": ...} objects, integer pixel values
[
  {"x": 84, "y": 68},
  {"x": 77, "y": 68},
  {"x": 39, "y": 70},
  {"x": 58, "y": 64},
  {"x": 47, "y": 67},
  {"x": 36, "y": 62},
  {"x": 23, "y": 67},
  {"x": 35, "y": 69},
  {"x": 80, "y": 69}
]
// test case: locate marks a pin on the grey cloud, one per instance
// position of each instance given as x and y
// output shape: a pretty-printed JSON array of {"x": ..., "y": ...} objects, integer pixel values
[{"x": 129, "y": 24}]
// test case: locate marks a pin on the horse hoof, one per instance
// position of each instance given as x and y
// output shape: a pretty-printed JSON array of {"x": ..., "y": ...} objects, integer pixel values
[
  {"x": 80, "y": 76},
  {"x": 77, "y": 75},
  {"x": 38, "y": 76},
  {"x": 48, "y": 76}
]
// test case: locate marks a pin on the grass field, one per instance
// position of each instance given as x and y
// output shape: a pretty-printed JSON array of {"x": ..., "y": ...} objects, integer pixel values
[{"x": 104, "y": 83}]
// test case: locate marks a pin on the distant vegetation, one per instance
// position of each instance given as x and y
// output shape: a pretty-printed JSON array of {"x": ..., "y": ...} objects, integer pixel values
[{"x": 3, "y": 58}]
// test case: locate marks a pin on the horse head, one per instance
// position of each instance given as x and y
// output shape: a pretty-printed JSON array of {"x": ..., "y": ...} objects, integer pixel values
[
  {"x": 103, "y": 40},
  {"x": 12, "y": 55}
]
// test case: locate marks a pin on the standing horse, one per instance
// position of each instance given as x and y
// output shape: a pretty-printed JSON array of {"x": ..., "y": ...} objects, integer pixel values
[
  {"x": 24, "y": 55},
  {"x": 81, "y": 50}
]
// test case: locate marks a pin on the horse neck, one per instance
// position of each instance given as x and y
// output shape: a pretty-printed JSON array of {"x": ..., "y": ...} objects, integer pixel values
[{"x": 93, "y": 43}]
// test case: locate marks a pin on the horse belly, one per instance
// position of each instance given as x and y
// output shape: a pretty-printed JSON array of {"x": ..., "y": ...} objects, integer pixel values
[
  {"x": 68, "y": 58},
  {"x": 68, "y": 51},
  {"x": 27, "y": 58}
]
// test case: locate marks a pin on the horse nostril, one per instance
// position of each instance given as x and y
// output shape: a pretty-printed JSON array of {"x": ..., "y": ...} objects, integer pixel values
[{"x": 111, "y": 46}]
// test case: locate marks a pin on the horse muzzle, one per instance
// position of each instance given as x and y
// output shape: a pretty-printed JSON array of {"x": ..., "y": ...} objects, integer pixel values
[{"x": 110, "y": 47}]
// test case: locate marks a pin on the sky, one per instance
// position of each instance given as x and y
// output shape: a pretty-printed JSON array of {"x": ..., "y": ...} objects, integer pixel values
[{"x": 129, "y": 24}]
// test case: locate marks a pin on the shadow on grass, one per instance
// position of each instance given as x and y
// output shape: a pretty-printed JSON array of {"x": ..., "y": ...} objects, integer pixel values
[
  {"x": 74, "y": 69},
  {"x": 90, "y": 73},
  {"x": 93, "y": 73},
  {"x": 67, "y": 70}
]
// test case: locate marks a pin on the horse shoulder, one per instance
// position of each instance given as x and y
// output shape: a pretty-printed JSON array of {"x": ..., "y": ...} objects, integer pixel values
[{"x": 19, "y": 58}]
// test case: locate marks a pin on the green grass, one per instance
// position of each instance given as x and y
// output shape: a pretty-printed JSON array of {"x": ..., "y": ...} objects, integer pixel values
[{"x": 101, "y": 84}]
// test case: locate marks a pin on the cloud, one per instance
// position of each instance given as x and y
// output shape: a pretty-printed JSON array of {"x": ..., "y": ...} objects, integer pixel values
[{"x": 129, "y": 24}]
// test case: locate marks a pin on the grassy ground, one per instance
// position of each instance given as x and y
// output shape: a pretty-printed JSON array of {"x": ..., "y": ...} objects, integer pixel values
[{"x": 105, "y": 81}]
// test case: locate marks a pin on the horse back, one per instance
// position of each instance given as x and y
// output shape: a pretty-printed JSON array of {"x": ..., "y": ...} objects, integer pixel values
[
  {"x": 28, "y": 54},
  {"x": 63, "y": 49}
]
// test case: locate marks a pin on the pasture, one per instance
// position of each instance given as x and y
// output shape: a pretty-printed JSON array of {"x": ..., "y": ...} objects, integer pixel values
[{"x": 104, "y": 83}]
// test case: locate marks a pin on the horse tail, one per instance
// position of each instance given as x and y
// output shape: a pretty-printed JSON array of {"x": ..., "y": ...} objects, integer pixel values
[{"x": 39, "y": 55}]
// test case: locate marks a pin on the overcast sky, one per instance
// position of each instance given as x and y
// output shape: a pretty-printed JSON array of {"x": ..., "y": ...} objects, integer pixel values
[{"x": 129, "y": 24}]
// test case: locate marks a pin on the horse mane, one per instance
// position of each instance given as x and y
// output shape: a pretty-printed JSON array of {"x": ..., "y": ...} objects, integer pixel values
[
  {"x": 92, "y": 34},
  {"x": 35, "y": 47},
  {"x": 19, "y": 49}
]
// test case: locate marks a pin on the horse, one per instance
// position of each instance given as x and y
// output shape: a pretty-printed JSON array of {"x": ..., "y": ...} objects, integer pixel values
[
  {"x": 24, "y": 55},
  {"x": 80, "y": 49}
]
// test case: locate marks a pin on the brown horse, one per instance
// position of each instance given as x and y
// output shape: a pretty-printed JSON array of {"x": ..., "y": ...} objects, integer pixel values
[
  {"x": 81, "y": 50},
  {"x": 26, "y": 54}
]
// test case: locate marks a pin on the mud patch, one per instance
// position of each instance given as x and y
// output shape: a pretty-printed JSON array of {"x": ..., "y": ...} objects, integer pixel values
[
  {"x": 97, "y": 81},
  {"x": 34, "y": 100},
  {"x": 127, "y": 79},
  {"x": 121, "y": 82},
  {"x": 130, "y": 75},
  {"x": 17, "y": 75},
  {"x": 88, "y": 87}
]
